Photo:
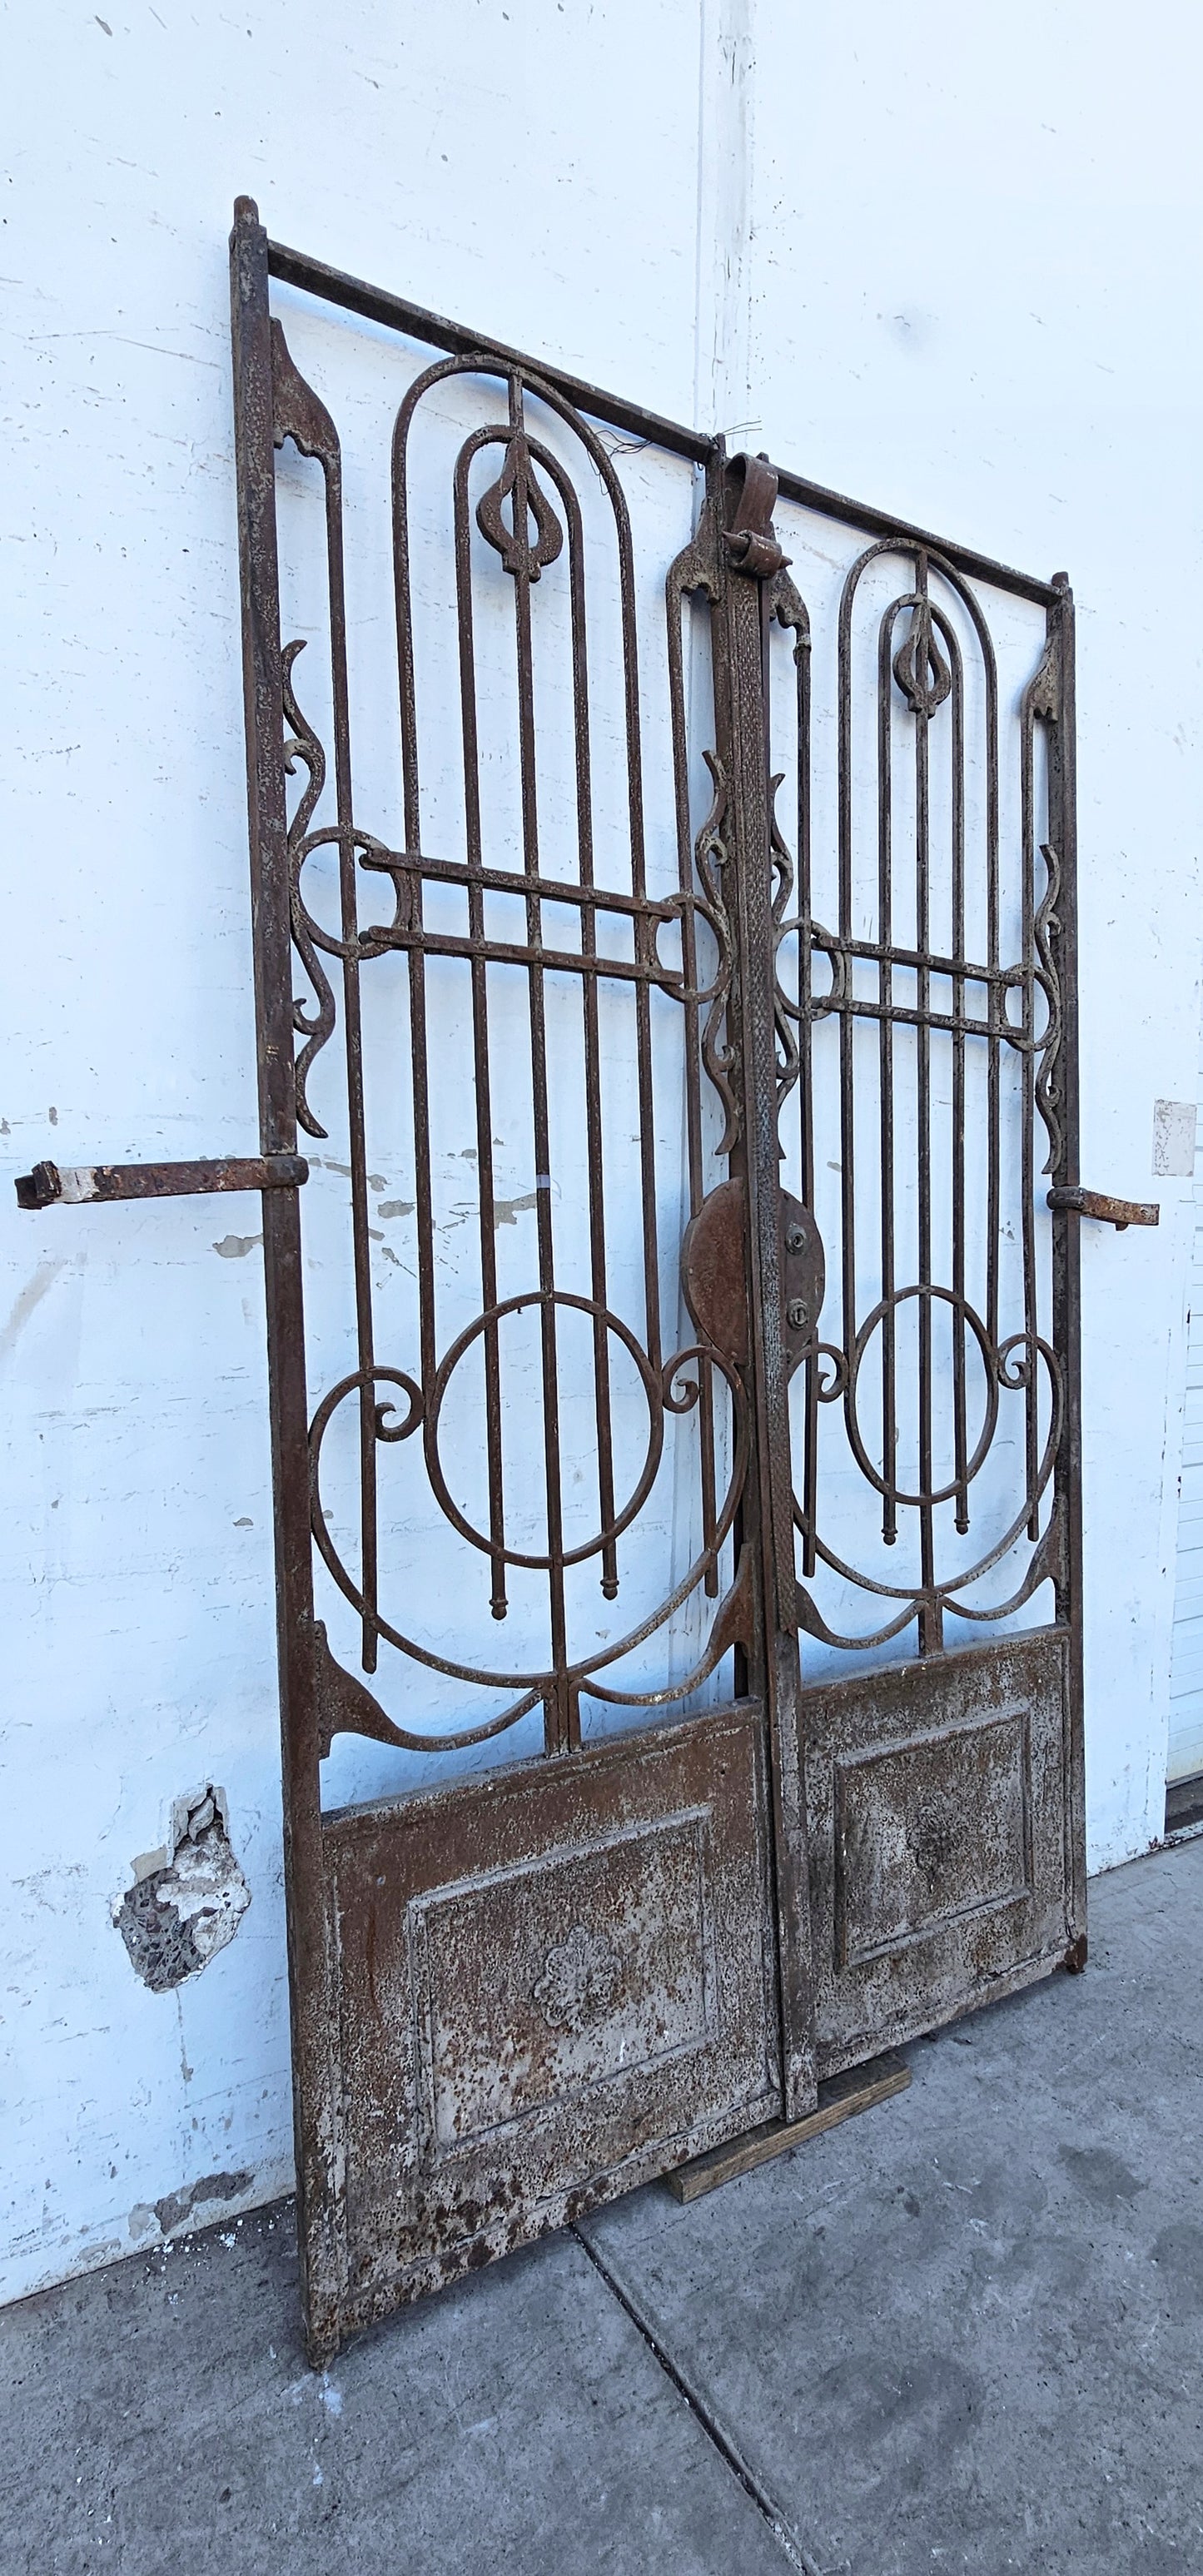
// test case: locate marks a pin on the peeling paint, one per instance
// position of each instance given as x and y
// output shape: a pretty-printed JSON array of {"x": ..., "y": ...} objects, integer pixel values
[
  {"x": 176, "y": 2206},
  {"x": 234, "y": 1247},
  {"x": 506, "y": 1211}
]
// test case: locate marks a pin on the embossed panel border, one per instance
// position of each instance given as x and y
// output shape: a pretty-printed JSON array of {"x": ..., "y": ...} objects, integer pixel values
[{"x": 940, "y": 1824}]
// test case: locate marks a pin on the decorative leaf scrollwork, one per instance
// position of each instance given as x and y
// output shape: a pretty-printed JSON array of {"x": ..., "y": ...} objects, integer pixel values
[
  {"x": 710, "y": 859},
  {"x": 785, "y": 1012},
  {"x": 1044, "y": 929},
  {"x": 1040, "y": 971},
  {"x": 316, "y": 1026}
]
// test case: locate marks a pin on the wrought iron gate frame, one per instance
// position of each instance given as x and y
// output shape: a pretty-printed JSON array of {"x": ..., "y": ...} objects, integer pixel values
[
  {"x": 736, "y": 561},
  {"x": 738, "y": 575}
]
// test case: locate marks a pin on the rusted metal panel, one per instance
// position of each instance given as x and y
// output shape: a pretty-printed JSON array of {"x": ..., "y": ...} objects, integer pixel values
[
  {"x": 936, "y": 1823},
  {"x": 552, "y": 1982}
]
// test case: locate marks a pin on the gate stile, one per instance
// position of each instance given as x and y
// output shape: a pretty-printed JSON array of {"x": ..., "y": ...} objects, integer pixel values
[{"x": 522, "y": 1992}]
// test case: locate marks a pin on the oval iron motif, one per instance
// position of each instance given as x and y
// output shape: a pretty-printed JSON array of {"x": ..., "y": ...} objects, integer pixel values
[{"x": 713, "y": 1270}]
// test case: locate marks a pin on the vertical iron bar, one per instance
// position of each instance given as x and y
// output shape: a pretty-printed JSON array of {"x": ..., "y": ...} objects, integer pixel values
[
  {"x": 806, "y": 1102},
  {"x": 643, "y": 944},
  {"x": 993, "y": 1015},
  {"x": 885, "y": 987},
  {"x": 561, "y": 1718},
  {"x": 930, "y": 1625},
  {"x": 960, "y": 1437},
  {"x": 846, "y": 933},
  {"x": 590, "y": 999},
  {"x": 1027, "y": 1077},
  {"x": 480, "y": 1032},
  {"x": 1067, "y": 1284},
  {"x": 313, "y": 2010},
  {"x": 353, "y": 1036},
  {"x": 674, "y": 602},
  {"x": 411, "y": 792}
]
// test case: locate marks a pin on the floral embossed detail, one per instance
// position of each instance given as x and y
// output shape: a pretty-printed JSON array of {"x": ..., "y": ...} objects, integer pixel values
[
  {"x": 581, "y": 1977},
  {"x": 937, "y": 1831}
]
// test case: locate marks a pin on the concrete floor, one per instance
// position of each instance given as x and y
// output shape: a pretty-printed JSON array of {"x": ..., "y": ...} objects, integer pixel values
[{"x": 965, "y": 2331}]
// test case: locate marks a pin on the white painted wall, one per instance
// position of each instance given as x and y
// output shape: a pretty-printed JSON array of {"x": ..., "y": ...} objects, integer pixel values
[
  {"x": 1185, "y": 1752},
  {"x": 944, "y": 262}
]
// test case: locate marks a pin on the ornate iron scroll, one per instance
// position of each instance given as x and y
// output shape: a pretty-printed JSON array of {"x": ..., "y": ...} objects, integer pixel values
[
  {"x": 934, "y": 1000},
  {"x": 529, "y": 513}
]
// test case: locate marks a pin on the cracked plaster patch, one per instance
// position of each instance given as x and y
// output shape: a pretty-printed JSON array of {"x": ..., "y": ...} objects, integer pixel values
[{"x": 177, "y": 1916}]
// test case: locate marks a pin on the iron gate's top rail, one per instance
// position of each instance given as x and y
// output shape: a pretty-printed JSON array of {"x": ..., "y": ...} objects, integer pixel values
[{"x": 396, "y": 313}]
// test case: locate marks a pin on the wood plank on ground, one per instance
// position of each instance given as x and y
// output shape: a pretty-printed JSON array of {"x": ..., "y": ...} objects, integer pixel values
[{"x": 857, "y": 2089}]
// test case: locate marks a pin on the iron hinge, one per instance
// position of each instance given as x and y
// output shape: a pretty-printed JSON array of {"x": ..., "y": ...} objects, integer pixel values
[
  {"x": 1116, "y": 1212},
  {"x": 84, "y": 1184}
]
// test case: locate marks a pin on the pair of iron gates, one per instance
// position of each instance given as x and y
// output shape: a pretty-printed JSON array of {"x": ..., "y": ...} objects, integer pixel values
[{"x": 601, "y": 1408}]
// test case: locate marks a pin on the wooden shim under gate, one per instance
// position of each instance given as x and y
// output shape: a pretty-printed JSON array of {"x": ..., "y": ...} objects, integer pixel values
[{"x": 856, "y": 2090}]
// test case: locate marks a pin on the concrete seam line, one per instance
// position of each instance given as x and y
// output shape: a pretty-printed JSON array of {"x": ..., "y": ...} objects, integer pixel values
[{"x": 787, "y": 2540}]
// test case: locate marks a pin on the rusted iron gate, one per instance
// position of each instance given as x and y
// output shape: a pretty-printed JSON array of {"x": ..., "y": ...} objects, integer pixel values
[{"x": 524, "y": 1991}]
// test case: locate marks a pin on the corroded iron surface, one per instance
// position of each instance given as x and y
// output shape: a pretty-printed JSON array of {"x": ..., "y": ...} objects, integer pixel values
[
  {"x": 552, "y": 1983},
  {"x": 936, "y": 1829}
]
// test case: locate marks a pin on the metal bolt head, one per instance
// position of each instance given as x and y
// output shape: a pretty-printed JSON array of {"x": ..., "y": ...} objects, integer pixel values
[
  {"x": 795, "y": 1239},
  {"x": 795, "y": 1314}
]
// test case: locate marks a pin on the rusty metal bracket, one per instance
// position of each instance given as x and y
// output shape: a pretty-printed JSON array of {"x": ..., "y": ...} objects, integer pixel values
[
  {"x": 1117, "y": 1212},
  {"x": 83, "y": 1184},
  {"x": 751, "y": 539}
]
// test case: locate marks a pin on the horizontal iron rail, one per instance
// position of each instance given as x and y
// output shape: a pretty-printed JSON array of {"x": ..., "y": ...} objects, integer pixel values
[
  {"x": 1116, "y": 1212},
  {"x": 295, "y": 268},
  {"x": 881, "y": 523},
  {"x": 599, "y": 898},
  {"x": 85, "y": 1184},
  {"x": 396, "y": 313},
  {"x": 879, "y": 952},
  {"x": 502, "y": 952}
]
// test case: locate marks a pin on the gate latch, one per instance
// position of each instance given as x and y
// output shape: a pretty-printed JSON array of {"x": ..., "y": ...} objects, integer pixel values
[
  {"x": 83, "y": 1184},
  {"x": 1116, "y": 1212}
]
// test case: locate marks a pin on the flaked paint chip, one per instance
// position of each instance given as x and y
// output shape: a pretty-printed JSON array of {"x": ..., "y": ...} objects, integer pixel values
[
  {"x": 176, "y": 1917},
  {"x": 234, "y": 1247},
  {"x": 176, "y": 2206}
]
